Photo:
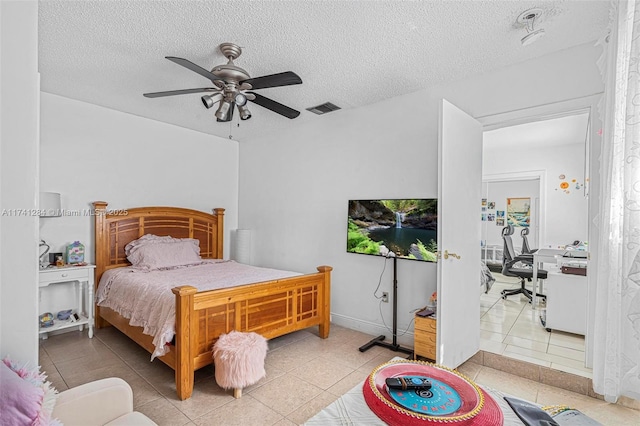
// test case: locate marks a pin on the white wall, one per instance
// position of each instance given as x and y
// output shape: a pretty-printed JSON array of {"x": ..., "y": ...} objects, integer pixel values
[
  {"x": 90, "y": 153},
  {"x": 19, "y": 180},
  {"x": 294, "y": 186},
  {"x": 565, "y": 214}
]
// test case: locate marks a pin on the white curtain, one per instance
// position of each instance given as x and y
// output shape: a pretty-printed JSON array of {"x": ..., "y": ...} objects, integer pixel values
[{"x": 616, "y": 368}]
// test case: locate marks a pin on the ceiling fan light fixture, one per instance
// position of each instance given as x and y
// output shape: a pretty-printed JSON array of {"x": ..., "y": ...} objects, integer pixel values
[
  {"x": 240, "y": 99},
  {"x": 210, "y": 100},
  {"x": 245, "y": 114},
  {"x": 223, "y": 110}
]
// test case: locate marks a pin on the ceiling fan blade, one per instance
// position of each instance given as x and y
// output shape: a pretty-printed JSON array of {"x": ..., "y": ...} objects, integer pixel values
[
  {"x": 193, "y": 67},
  {"x": 274, "y": 106},
  {"x": 286, "y": 78},
  {"x": 179, "y": 92}
]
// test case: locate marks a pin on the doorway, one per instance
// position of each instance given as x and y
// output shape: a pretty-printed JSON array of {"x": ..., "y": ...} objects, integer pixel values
[{"x": 544, "y": 161}]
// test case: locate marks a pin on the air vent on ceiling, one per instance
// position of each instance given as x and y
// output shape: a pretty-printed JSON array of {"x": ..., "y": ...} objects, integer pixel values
[{"x": 323, "y": 108}]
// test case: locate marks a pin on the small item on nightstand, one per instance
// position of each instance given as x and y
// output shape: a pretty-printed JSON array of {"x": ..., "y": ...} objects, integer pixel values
[
  {"x": 426, "y": 312},
  {"x": 59, "y": 261},
  {"x": 46, "y": 320},
  {"x": 64, "y": 315},
  {"x": 75, "y": 252},
  {"x": 53, "y": 257}
]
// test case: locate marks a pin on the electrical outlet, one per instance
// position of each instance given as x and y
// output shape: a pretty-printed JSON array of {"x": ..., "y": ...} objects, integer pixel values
[{"x": 385, "y": 297}]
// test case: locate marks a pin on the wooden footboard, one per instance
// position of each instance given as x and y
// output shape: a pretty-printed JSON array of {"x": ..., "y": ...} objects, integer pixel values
[{"x": 270, "y": 308}]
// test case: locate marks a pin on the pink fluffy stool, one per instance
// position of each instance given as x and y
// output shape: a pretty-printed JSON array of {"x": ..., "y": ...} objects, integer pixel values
[{"x": 239, "y": 360}]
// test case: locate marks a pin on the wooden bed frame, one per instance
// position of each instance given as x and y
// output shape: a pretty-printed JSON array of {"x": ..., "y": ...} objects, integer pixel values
[{"x": 270, "y": 308}]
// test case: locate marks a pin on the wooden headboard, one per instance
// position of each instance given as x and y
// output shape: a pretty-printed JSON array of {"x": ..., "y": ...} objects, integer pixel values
[{"x": 116, "y": 228}]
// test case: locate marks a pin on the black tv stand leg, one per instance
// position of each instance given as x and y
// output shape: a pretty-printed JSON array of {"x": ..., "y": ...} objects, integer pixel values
[
  {"x": 378, "y": 341},
  {"x": 371, "y": 343}
]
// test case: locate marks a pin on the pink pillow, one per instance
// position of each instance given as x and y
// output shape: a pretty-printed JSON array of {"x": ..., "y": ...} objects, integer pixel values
[
  {"x": 25, "y": 397},
  {"x": 153, "y": 252}
]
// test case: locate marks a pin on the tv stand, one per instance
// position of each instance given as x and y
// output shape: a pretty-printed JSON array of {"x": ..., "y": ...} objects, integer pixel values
[{"x": 379, "y": 341}]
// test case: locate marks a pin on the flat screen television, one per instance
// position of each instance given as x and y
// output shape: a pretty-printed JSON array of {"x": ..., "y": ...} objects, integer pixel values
[{"x": 408, "y": 228}]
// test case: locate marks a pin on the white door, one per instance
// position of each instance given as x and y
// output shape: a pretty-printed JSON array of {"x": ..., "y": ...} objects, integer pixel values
[{"x": 459, "y": 201}]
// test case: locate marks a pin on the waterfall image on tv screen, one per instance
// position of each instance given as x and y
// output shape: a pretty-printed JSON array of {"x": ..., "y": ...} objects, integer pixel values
[{"x": 407, "y": 228}]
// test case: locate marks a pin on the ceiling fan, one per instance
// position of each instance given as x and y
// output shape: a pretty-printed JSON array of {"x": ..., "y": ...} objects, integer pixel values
[{"x": 233, "y": 85}]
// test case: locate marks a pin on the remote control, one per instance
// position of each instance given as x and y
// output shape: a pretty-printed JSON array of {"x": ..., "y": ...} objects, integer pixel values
[{"x": 408, "y": 383}]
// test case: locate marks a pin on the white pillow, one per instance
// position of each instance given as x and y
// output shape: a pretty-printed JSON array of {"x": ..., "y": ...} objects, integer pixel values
[{"x": 153, "y": 252}]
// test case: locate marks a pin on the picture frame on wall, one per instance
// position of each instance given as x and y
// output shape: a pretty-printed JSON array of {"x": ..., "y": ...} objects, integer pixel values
[
  {"x": 491, "y": 205},
  {"x": 519, "y": 211},
  {"x": 500, "y": 222}
]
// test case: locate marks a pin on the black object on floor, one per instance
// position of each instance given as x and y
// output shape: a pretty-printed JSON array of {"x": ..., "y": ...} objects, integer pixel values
[{"x": 530, "y": 414}]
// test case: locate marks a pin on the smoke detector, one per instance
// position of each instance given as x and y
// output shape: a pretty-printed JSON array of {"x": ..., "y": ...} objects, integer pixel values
[{"x": 528, "y": 19}]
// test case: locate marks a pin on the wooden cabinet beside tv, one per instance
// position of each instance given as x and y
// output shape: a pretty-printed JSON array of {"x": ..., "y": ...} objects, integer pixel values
[{"x": 424, "y": 338}]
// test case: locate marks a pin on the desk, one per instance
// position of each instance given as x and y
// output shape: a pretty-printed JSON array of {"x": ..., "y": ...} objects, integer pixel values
[
  {"x": 82, "y": 275},
  {"x": 542, "y": 255}
]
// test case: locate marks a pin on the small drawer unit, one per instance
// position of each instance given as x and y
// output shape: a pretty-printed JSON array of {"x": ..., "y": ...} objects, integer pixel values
[
  {"x": 424, "y": 336},
  {"x": 57, "y": 275}
]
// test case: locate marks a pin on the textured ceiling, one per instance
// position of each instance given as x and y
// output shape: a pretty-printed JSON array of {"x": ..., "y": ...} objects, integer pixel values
[{"x": 351, "y": 53}]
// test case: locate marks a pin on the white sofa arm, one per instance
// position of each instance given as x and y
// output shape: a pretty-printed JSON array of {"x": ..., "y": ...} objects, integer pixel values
[{"x": 94, "y": 403}]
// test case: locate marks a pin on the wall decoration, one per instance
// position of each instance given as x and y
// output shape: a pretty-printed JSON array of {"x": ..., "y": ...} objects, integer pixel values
[
  {"x": 565, "y": 186},
  {"x": 500, "y": 222},
  {"x": 484, "y": 209},
  {"x": 500, "y": 213},
  {"x": 484, "y": 201},
  {"x": 519, "y": 211},
  {"x": 484, "y": 217},
  {"x": 492, "y": 205},
  {"x": 491, "y": 217}
]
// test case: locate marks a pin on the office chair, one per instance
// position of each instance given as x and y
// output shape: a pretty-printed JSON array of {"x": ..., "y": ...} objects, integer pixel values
[
  {"x": 525, "y": 242},
  {"x": 510, "y": 269}
]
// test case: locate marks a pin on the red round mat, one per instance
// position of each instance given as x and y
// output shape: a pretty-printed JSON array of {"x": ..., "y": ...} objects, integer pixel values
[{"x": 477, "y": 409}]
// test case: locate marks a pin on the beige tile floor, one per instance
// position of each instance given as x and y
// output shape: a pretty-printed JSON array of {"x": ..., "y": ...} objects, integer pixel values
[
  {"x": 304, "y": 374},
  {"x": 511, "y": 328}
]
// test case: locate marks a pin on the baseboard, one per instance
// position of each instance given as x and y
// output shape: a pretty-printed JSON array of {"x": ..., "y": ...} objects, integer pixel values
[{"x": 374, "y": 329}]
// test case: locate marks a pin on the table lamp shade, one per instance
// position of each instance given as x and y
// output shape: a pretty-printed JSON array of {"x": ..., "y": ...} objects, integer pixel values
[{"x": 50, "y": 204}]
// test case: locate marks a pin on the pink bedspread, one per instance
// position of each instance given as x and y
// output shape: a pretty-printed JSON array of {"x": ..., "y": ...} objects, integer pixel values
[{"x": 145, "y": 297}]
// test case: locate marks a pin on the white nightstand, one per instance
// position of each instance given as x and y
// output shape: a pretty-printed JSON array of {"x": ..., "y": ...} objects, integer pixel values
[{"x": 83, "y": 276}]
